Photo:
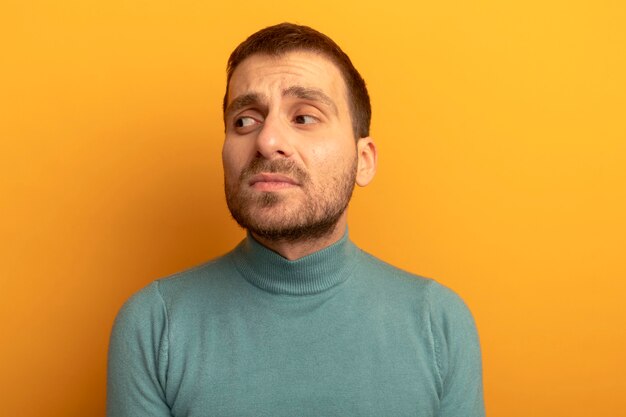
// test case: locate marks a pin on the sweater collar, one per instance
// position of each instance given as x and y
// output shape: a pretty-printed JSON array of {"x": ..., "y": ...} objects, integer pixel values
[{"x": 308, "y": 275}]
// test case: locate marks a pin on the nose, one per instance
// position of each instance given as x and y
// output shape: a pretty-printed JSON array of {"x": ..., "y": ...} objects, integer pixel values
[{"x": 273, "y": 139}]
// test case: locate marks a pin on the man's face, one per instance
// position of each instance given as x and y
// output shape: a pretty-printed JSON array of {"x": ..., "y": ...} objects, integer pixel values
[{"x": 289, "y": 155}]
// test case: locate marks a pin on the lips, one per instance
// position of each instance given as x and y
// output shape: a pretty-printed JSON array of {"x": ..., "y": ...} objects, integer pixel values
[{"x": 272, "y": 181}]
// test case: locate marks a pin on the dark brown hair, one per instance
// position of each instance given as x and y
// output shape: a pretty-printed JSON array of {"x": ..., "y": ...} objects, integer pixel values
[{"x": 287, "y": 37}]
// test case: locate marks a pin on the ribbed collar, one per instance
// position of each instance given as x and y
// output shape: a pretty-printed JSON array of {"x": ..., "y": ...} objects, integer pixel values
[{"x": 311, "y": 274}]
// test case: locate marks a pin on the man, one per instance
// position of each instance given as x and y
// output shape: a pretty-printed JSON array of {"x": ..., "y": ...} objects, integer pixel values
[{"x": 296, "y": 320}]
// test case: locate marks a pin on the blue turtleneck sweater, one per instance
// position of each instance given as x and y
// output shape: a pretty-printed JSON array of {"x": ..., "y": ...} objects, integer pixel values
[{"x": 336, "y": 333}]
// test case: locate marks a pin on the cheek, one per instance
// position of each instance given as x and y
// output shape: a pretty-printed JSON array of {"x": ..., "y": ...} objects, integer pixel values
[
  {"x": 231, "y": 161},
  {"x": 329, "y": 170},
  {"x": 324, "y": 152}
]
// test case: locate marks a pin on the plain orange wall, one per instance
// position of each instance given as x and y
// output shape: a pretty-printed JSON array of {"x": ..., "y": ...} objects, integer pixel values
[{"x": 502, "y": 138}]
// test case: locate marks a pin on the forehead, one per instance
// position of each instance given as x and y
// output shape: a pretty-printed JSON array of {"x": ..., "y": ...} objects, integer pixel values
[{"x": 268, "y": 75}]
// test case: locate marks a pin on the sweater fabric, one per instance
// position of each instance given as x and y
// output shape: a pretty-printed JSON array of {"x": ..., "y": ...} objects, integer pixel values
[{"x": 336, "y": 333}]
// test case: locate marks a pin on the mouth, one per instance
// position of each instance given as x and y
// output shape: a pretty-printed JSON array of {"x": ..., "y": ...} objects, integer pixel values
[{"x": 272, "y": 182}]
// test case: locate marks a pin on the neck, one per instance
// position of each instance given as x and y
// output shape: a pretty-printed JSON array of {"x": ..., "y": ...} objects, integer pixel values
[{"x": 292, "y": 250}]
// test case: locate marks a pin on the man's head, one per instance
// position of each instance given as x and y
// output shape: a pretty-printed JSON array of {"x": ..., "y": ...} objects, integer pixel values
[
  {"x": 290, "y": 156},
  {"x": 286, "y": 37}
]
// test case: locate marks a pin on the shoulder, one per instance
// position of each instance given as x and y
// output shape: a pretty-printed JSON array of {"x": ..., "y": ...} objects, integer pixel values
[
  {"x": 442, "y": 303},
  {"x": 390, "y": 278},
  {"x": 154, "y": 302},
  {"x": 370, "y": 266},
  {"x": 144, "y": 304},
  {"x": 206, "y": 277}
]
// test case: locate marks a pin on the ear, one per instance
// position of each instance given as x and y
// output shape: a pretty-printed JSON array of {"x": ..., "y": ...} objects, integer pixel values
[{"x": 367, "y": 157}]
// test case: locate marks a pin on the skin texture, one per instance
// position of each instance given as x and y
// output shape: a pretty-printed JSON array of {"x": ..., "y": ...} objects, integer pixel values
[{"x": 290, "y": 157}]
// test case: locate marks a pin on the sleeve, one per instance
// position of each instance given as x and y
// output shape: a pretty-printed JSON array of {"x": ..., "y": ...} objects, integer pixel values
[
  {"x": 137, "y": 363},
  {"x": 457, "y": 353}
]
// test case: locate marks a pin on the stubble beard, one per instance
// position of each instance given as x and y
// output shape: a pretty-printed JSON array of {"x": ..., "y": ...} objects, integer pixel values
[{"x": 265, "y": 215}]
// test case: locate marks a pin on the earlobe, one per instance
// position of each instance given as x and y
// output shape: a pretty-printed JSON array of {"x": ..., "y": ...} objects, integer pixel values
[{"x": 367, "y": 159}]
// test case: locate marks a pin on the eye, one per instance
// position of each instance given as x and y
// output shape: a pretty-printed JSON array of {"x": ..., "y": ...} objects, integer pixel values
[
  {"x": 245, "y": 121},
  {"x": 305, "y": 119}
]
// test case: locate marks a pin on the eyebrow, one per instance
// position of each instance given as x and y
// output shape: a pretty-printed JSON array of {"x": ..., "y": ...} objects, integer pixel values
[
  {"x": 311, "y": 94},
  {"x": 241, "y": 102}
]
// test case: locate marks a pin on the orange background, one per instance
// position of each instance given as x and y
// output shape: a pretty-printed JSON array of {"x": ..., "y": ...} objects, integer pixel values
[{"x": 502, "y": 138}]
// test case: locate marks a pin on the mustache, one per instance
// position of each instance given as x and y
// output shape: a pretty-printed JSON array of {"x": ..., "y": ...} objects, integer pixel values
[{"x": 275, "y": 166}]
